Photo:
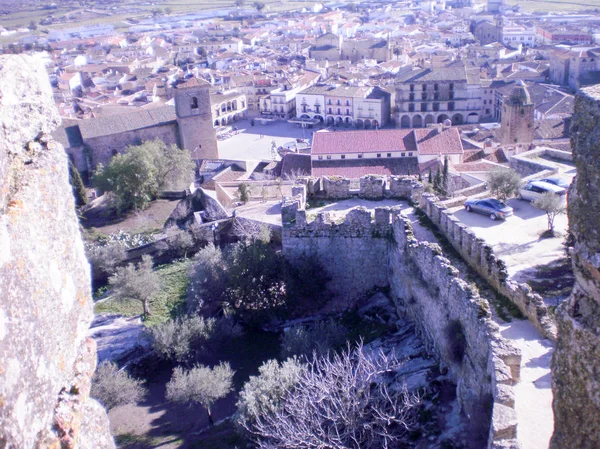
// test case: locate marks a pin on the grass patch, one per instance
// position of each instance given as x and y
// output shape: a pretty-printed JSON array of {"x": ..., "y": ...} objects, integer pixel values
[
  {"x": 221, "y": 436},
  {"x": 165, "y": 305}
]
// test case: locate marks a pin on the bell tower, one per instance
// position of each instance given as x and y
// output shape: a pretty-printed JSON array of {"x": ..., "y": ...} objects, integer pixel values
[
  {"x": 517, "y": 124},
  {"x": 194, "y": 119}
]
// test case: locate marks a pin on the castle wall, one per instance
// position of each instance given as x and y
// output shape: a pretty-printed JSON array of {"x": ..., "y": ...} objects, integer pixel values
[
  {"x": 481, "y": 257},
  {"x": 102, "y": 148},
  {"x": 576, "y": 359},
  {"x": 46, "y": 359}
]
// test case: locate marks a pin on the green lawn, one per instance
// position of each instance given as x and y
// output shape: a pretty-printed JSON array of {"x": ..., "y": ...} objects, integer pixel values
[{"x": 165, "y": 305}]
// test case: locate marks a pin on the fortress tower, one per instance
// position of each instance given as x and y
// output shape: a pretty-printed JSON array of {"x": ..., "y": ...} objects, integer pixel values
[
  {"x": 517, "y": 117},
  {"x": 194, "y": 119}
]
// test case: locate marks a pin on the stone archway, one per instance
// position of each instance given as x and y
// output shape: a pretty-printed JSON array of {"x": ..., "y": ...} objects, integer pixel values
[
  {"x": 428, "y": 119},
  {"x": 358, "y": 123},
  {"x": 457, "y": 119},
  {"x": 330, "y": 120},
  {"x": 367, "y": 124},
  {"x": 473, "y": 117},
  {"x": 442, "y": 117},
  {"x": 417, "y": 121},
  {"x": 405, "y": 121}
]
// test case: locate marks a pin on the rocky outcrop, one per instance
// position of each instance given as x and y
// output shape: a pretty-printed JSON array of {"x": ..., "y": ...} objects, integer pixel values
[
  {"x": 576, "y": 361},
  {"x": 46, "y": 359}
]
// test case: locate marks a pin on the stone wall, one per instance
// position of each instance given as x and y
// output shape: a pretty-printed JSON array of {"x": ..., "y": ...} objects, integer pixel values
[
  {"x": 576, "y": 359},
  {"x": 352, "y": 252},
  {"x": 481, "y": 257},
  {"x": 102, "y": 148},
  {"x": 46, "y": 360},
  {"x": 364, "y": 252},
  {"x": 457, "y": 324},
  {"x": 525, "y": 166}
]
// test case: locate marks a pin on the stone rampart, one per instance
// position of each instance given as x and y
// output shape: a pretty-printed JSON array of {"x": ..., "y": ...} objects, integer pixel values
[
  {"x": 457, "y": 324},
  {"x": 481, "y": 257},
  {"x": 351, "y": 251},
  {"x": 527, "y": 164}
]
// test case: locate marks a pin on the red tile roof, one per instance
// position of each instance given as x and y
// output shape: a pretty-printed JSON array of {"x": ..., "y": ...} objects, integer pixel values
[
  {"x": 355, "y": 168},
  {"x": 426, "y": 141}
]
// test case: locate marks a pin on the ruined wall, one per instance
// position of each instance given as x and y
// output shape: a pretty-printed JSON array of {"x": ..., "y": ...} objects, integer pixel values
[
  {"x": 352, "y": 252},
  {"x": 576, "y": 359},
  {"x": 46, "y": 360},
  {"x": 481, "y": 257},
  {"x": 457, "y": 324}
]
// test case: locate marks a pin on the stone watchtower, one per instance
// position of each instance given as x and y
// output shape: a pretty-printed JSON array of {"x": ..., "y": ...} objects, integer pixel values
[
  {"x": 517, "y": 117},
  {"x": 194, "y": 119}
]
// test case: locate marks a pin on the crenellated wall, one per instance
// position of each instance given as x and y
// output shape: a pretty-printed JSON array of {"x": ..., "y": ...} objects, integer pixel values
[
  {"x": 365, "y": 251},
  {"x": 481, "y": 257}
]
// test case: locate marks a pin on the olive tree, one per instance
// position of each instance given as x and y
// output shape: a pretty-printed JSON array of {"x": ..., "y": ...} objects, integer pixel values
[
  {"x": 139, "y": 282},
  {"x": 553, "y": 205},
  {"x": 504, "y": 183},
  {"x": 200, "y": 385},
  {"x": 345, "y": 400},
  {"x": 112, "y": 387}
]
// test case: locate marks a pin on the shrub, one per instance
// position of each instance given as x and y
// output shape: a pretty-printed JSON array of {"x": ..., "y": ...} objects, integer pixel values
[
  {"x": 262, "y": 393},
  {"x": 243, "y": 193},
  {"x": 105, "y": 257},
  {"x": 321, "y": 337},
  {"x": 113, "y": 387},
  {"x": 200, "y": 385},
  {"x": 504, "y": 183},
  {"x": 77, "y": 185}
]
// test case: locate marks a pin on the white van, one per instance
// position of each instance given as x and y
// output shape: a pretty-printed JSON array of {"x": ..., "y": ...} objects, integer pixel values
[{"x": 536, "y": 189}]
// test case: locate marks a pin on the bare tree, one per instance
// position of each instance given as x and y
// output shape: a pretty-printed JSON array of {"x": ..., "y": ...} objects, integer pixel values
[
  {"x": 504, "y": 183},
  {"x": 553, "y": 205},
  {"x": 137, "y": 282},
  {"x": 346, "y": 400},
  {"x": 200, "y": 385},
  {"x": 251, "y": 230}
]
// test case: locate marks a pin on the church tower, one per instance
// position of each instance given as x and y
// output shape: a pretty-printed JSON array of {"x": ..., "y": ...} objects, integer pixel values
[
  {"x": 194, "y": 119},
  {"x": 517, "y": 117}
]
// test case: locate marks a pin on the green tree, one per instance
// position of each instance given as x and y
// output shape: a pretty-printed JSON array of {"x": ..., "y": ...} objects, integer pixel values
[
  {"x": 113, "y": 387},
  {"x": 136, "y": 177},
  {"x": 430, "y": 177},
  {"x": 437, "y": 182},
  {"x": 139, "y": 282},
  {"x": 262, "y": 393},
  {"x": 200, "y": 385},
  {"x": 504, "y": 183},
  {"x": 445, "y": 177},
  {"x": 553, "y": 205},
  {"x": 243, "y": 193},
  {"x": 77, "y": 185}
]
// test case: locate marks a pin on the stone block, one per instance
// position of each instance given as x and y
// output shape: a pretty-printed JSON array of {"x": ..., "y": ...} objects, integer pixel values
[{"x": 504, "y": 423}]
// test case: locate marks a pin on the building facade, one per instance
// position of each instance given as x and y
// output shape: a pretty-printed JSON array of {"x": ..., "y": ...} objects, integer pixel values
[{"x": 517, "y": 126}]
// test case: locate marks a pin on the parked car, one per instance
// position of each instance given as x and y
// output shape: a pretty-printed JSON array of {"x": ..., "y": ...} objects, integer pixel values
[
  {"x": 556, "y": 181},
  {"x": 489, "y": 206},
  {"x": 534, "y": 190}
]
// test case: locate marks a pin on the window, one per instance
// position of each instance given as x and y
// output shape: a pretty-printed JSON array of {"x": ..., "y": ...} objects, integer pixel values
[
  {"x": 403, "y": 154},
  {"x": 389, "y": 155},
  {"x": 412, "y": 87},
  {"x": 194, "y": 104},
  {"x": 411, "y": 107},
  {"x": 411, "y": 97},
  {"x": 339, "y": 111},
  {"x": 436, "y": 96},
  {"x": 451, "y": 86},
  {"x": 424, "y": 87},
  {"x": 343, "y": 156},
  {"x": 378, "y": 154},
  {"x": 451, "y": 95},
  {"x": 347, "y": 111},
  {"x": 436, "y": 87},
  {"x": 424, "y": 96},
  {"x": 330, "y": 110},
  {"x": 347, "y": 102},
  {"x": 329, "y": 101},
  {"x": 451, "y": 106},
  {"x": 423, "y": 107},
  {"x": 360, "y": 155},
  {"x": 484, "y": 101},
  {"x": 328, "y": 156},
  {"x": 320, "y": 158},
  {"x": 338, "y": 102},
  {"x": 436, "y": 107},
  {"x": 410, "y": 154},
  {"x": 487, "y": 111}
]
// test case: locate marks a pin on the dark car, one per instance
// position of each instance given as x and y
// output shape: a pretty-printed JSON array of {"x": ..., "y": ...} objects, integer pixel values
[
  {"x": 492, "y": 207},
  {"x": 556, "y": 181}
]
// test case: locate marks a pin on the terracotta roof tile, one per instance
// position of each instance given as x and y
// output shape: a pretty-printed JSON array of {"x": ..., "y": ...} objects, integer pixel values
[{"x": 355, "y": 168}]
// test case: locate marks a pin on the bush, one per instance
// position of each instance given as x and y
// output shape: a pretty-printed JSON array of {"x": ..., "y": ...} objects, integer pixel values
[
  {"x": 243, "y": 193},
  {"x": 200, "y": 385},
  {"x": 106, "y": 257},
  {"x": 321, "y": 337},
  {"x": 112, "y": 387},
  {"x": 262, "y": 393},
  {"x": 77, "y": 184}
]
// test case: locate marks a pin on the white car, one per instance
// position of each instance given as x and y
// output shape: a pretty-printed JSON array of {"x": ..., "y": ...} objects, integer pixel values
[{"x": 534, "y": 190}]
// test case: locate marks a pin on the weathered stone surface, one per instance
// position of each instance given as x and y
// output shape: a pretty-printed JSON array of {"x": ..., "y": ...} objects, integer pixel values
[
  {"x": 46, "y": 360},
  {"x": 576, "y": 359}
]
